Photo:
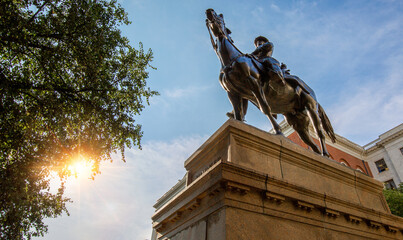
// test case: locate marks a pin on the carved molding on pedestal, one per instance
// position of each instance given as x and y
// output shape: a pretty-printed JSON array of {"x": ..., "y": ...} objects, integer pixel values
[
  {"x": 391, "y": 229},
  {"x": 236, "y": 187},
  {"x": 176, "y": 216},
  {"x": 160, "y": 227},
  {"x": 354, "y": 219},
  {"x": 215, "y": 190},
  {"x": 304, "y": 206},
  {"x": 275, "y": 197},
  {"x": 374, "y": 225},
  {"x": 332, "y": 213},
  {"x": 193, "y": 204}
]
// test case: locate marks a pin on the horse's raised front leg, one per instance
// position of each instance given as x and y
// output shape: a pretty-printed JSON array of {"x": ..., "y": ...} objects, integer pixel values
[
  {"x": 237, "y": 102},
  {"x": 265, "y": 108}
]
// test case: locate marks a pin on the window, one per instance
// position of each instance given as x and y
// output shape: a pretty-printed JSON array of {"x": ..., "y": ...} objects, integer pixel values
[
  {"x": 359, "y": 169},
  {"x": 381, "y": 165},
  {"x": 344, "y": 162},
  {"x": 390, "y": 184}
]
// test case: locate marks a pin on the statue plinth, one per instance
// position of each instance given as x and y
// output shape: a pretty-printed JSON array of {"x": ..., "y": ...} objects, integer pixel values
[{"x": 244, "y": 183}]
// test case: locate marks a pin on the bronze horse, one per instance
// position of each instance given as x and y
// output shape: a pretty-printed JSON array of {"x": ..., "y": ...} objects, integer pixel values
[{"x": 241, "y": 78}]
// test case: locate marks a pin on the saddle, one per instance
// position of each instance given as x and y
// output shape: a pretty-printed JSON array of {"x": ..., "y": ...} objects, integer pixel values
[
  {"x": 296, "y": 82},
  {"x": 264, "y": 71}
]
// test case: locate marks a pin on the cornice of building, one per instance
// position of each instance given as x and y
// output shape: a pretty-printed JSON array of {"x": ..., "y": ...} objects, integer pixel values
[
  {"x": 344, "y": 142},
  {"x": 384, "y": 139},
  {"x": 341, "y": 142},
  {"x": 350, "y": 147},
  {"x": 286, "y": 128}
]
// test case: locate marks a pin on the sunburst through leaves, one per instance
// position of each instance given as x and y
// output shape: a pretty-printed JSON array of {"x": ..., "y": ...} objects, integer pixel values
[{"x": 80, "y": 167}]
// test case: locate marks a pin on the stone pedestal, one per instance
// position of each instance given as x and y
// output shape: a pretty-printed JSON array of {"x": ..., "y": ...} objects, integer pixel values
[{"x": 244, "y": 183}]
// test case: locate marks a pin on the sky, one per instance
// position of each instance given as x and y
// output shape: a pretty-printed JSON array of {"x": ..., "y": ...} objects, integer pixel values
[{"x": 349, "y": 52}]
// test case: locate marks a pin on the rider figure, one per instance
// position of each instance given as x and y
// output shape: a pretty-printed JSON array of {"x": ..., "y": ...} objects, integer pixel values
[{"x": 263, "y": 52}]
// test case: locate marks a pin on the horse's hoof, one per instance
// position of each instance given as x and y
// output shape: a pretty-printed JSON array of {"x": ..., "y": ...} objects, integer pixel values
[
  {"x": 230, "y": 115},
  {"x": 280, "y": 134}
]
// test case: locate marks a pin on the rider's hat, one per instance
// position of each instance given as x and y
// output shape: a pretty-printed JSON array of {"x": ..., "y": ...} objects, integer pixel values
[{"x": 260, "y": 38}]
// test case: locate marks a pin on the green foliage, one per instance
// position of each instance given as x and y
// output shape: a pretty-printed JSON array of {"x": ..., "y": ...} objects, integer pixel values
[
  {"x": 394, "y": 197},
  {"x": 70, "y": 85}
]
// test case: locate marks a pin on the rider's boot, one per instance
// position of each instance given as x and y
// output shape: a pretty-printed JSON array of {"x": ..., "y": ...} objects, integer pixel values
[
  {"x": 276, "y": 75},
  {"x": 298, "y": 91}
]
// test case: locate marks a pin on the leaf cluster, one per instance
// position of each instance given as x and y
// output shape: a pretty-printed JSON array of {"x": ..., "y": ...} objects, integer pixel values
[
  {"x": 70, "y": 84},
  {"x": 394, "y": 197}
]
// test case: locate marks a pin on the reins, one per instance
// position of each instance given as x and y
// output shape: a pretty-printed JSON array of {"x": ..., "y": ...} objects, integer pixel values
[
  {"x": 211, "y": 37},
  {"x": 215, "y": 45}
]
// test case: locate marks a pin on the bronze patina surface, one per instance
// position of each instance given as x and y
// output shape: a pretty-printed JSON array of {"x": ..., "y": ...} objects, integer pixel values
[{"x": 260, "y": 79}]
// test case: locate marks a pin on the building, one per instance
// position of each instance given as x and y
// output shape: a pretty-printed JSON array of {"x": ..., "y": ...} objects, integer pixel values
[
  {"x": 381, "y": 158},
  {"x": 385, "y": 157}
]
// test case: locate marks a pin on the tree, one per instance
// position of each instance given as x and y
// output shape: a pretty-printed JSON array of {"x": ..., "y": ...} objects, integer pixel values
[
  {"x": 70, "y": 85},
  {"x": 394, "y": 197}
]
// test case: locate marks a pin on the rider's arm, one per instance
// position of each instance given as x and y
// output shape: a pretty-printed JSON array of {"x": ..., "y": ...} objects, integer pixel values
[{"x": 266, "y": 49}]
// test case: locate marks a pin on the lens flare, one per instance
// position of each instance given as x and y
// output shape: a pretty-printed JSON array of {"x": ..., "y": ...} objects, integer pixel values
[{"x": 80, "y": 168}]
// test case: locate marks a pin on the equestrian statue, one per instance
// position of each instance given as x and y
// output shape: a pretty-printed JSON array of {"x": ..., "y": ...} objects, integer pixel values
[{"x": 262, "y": 80}]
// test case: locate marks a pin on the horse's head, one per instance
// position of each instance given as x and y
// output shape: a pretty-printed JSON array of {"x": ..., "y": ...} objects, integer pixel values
[{"x": 216, "y": 24}]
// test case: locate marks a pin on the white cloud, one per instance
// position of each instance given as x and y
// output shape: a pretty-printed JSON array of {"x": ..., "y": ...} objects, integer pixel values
[
  {"x": 275, "y": 7},
  {"x": 257, "y": 12},
  {"x": 355, "y": 60},
  {"x": 366, "y": 111},
  {"x": 184, "y": 92},
  {"x": 118, "y": 204},
  {"x": 169, "y": 96}
]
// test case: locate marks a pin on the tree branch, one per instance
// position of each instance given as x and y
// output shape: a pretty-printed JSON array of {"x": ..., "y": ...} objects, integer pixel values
[{"x": 32, "y": 18}]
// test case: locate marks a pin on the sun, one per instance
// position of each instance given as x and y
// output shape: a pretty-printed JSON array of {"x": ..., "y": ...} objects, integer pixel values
[{"x": 80, "y": 168}]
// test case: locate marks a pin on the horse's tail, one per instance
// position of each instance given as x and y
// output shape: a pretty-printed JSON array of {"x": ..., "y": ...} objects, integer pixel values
[{"x": 327, "y": 126}]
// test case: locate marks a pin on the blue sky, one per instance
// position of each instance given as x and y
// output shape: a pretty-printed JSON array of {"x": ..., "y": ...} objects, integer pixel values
[{"x": 349, "y": 52}]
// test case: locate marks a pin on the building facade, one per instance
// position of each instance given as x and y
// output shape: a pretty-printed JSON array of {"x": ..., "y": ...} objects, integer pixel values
[
  {"x": 385, "y": 157},
  {"x": 381, "y": 158}
]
